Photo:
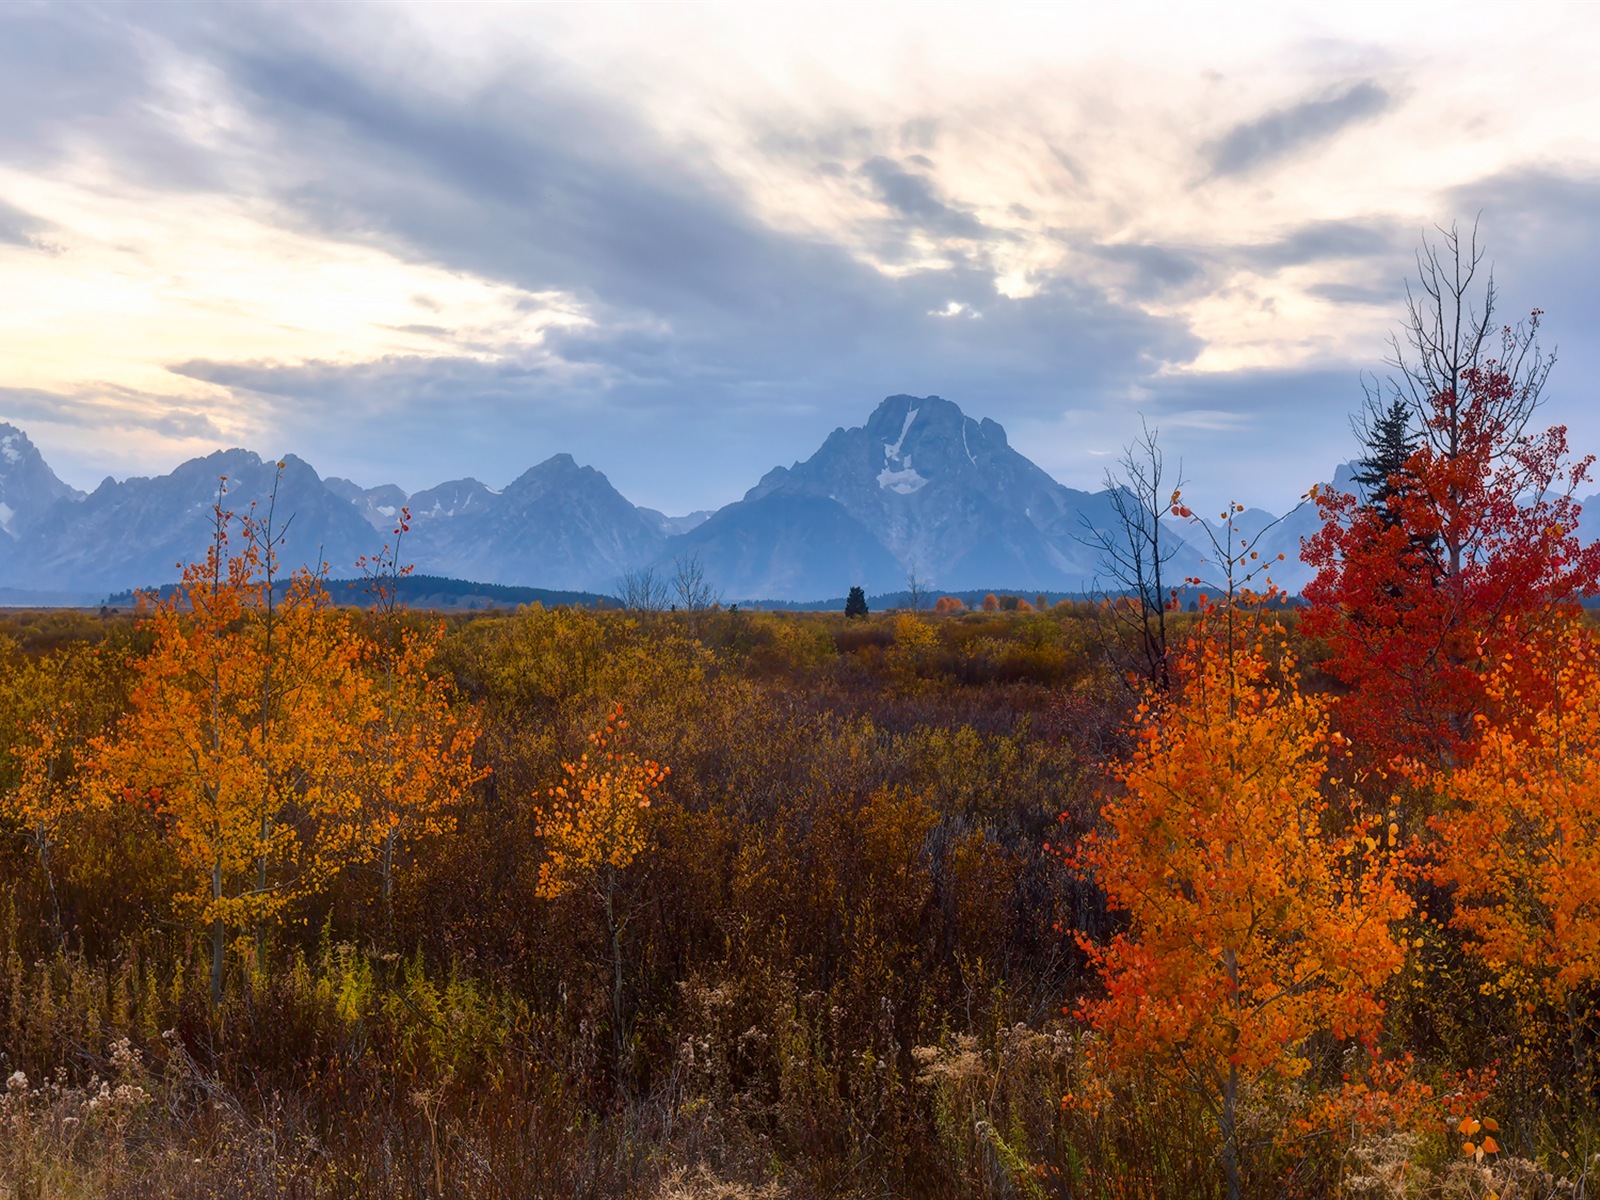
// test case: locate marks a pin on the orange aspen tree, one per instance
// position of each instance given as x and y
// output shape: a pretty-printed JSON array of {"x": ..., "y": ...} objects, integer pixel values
[
  {"x": 1520, "y": 843},
  {"x": 236, "y": 722},
  {"x": 1259, "y": 913},
  {"x": 594, "y": 826},
  {"x": 415, "y": 750}
]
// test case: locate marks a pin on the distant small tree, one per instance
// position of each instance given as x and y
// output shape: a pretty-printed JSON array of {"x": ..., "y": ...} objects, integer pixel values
[
  {"x": 991, "y": 603},
  {"x": 1134, "y": 553},
  {"x": 948, "y": 604},
  {"x": 855, "y": 604},
  {"x": 916, "y": 590},
  {"x": 695, "y": 593},
  {"x": 642, "y": 590}
]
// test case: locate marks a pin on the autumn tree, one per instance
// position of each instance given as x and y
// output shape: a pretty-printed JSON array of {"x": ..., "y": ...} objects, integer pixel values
[
  {"x": 1473, "y": 546},
  {"x": 412, "y": 763},
  {"x": 236, "y": 725},
  {"x": 595, "y": 823},
  {"x": 1519, "y": 842},
  {"x": 1260, "y": 903}
]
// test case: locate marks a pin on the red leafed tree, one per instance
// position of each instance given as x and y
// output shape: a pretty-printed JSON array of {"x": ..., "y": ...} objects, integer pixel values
[{"x": 1471, "y": 550}]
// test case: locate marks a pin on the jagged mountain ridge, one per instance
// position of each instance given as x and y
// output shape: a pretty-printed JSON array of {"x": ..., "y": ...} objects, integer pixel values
[
  {"x": 137, "y": 532},
  {"x": 920, "y": 486},
  {"x": 943, "y": 494}
]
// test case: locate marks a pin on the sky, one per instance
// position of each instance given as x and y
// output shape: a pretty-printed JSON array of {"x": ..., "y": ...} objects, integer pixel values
[{"x": 683, "y": 243}]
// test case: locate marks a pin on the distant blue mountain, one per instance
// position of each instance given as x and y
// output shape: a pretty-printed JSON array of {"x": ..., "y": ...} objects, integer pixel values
[{"x": 920, "y": 488}]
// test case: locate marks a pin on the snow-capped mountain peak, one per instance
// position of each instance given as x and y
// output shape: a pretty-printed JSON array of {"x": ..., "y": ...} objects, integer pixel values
[{"x": 28, "y": 487}]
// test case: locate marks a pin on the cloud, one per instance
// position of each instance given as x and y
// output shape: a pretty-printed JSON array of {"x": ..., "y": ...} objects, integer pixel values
[
  {"x": 20, "y": 228},
  {"x": 914, "y": 198},
  {"x": 744, "y": 269},
  {"x": 1286, "y": 131},
  {"x": 1323, "y": 241},
  {"x": 1153, "y": 270},
  {"x": 109, "y": 408}
]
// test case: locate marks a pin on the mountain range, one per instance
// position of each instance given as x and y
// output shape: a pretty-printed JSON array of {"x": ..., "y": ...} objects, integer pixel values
[{"x": 919, "y": 488}]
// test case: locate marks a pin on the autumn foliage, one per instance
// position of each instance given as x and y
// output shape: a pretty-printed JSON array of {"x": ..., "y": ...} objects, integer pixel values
[
  {"x": 596, "y": 821},
  {"x": 1262, "y": 902},
  {"x": 1519, "y": 837},
  {"x": 300, "y": 899},
  {"x": 1472, "y": 553}
]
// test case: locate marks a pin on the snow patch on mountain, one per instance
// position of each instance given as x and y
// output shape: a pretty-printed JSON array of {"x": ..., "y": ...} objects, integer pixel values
[
  {"x": 904, "y": 481},
  {"x": 892, "y": 452},
  {"x": 8, "y": 448},
  {"x": 898, "y": 475}
]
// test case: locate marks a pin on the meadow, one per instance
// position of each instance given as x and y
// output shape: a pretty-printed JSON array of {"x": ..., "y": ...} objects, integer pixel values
[{"x": 1093, "y": 899}]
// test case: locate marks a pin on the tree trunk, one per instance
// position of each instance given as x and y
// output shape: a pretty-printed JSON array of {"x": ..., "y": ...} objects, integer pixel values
[
  {"x": 387, "y": 886},
  {"x": 618, "y": 1034},
  {"x": 1230, "y": 1132},
  {"x": 1230, "y": 1090},
  {"x": 55, "y": 902},
  {"x": 219, "y": 939}
]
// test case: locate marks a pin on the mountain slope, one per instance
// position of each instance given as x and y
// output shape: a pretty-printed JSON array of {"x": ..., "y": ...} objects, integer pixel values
[
  {"x": 557, "y": 525},
  {"x": 136, "y": 533},
  {"x": 28, "y": 487},
  {"x": 943, "y": 494},
  {"x": 786, "y": 546}
]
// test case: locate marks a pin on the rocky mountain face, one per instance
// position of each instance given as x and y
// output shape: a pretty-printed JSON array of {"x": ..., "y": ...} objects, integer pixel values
[
  {"x": 557, "y": 525},
  {"x": 920, "y": 487},
  {"x": 135, "y": 533},
  {"x": 379, "y": 506},
  {"x": 933, "y": 489},
  {"x": 28, "y": 487}
]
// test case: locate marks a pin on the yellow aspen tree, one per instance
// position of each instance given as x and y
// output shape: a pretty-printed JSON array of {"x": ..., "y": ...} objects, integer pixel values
[
  {"x": 236, "y": 722},
  {"x": 56, "y": 705},
  {"x": 413, "y": 760},
  {"x": 594, "y": 825}
]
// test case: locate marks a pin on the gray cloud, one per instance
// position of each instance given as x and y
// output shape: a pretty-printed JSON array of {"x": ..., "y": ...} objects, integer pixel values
[
  {"x": 107, "y": 408},
  {"x": 1323, "y": 241},
  {"x": 1152, "y": 270},
  {"x": 1357, "y": 293},
  {"x": 914, "y": 198},
  {"x": 1155, "y": 270},
  {"x": 1287, "y": 130}
]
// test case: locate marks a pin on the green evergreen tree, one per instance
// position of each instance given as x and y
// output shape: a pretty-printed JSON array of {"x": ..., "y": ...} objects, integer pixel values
[
  {"x": 1390, "y": 443},
  {"x": 855, "y": 604}
]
